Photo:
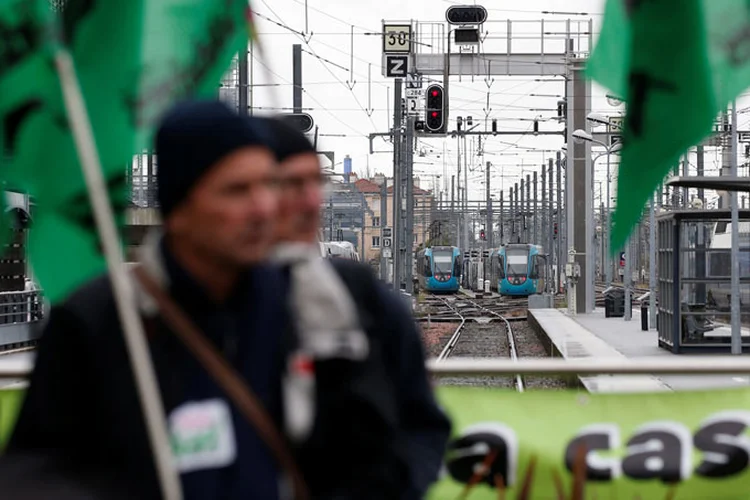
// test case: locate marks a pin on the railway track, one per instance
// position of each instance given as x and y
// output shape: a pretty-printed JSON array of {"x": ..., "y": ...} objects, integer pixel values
[
  {"x": 496, "y": 327},
  {"x": 511, "y": 342},
  {"x": 477, "y": 336}
]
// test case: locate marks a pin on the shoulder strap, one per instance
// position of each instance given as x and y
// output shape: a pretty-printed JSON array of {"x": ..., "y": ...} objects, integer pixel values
[{"x": 227, "y": 378}]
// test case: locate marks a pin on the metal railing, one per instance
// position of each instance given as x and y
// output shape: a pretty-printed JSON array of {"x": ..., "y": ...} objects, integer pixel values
[
  {"x": 705, "y": 365},
  {"x": 21, "y": 307}
]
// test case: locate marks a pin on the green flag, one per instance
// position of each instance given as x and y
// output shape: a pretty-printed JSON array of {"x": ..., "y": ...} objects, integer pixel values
[
  {"x": 133, "y": 59},
  {"x": 677, "y": 64}
]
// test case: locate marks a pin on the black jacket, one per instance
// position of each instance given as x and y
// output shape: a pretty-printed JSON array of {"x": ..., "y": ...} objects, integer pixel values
[{"x": 379, "y": 433}]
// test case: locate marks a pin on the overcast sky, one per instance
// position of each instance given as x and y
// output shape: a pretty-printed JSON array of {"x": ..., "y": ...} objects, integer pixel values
[{"x": 341, "y": 113}]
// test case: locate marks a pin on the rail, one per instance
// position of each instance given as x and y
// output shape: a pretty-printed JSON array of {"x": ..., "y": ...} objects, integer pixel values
[{"x": 448, "y": 349}]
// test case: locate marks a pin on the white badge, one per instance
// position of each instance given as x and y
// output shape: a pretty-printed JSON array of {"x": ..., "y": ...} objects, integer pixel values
[{"x": 202, "y": 435}]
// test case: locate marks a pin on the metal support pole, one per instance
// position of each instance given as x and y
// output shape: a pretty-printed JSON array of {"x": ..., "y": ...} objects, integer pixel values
[
  {"x": 607, "y": 228},
  {"x": 736, "y": 331},
  {"x": 699, "y": 164},
  {"x": 522, "y": 212},
  {"x": 242, "y": 81},
  {"x": 550, "y": 230},
  {"x": 459, "y": 215},
  {"x": 489, "y": 230},
  {"x": 409, "y": 226},
  {"x": 602, "y": 244},
  {"x": 453, "y": 194},
  {"x": 535, "y": 212},
  {"x": 579, "y": 183},
  {"x": 466, "y": 195},
  {"x": 501, "y": 234},
  {"x": 297, "y": 77},
  {"x": 512, "y": 214},
  {"x": 397, "y": 155},
  {"x": 330, "y": 219},
  {"x": 652, "y": 263},
  {"x": 251, "y": 90},
  {"x": 543, "y": 211},
  {"x": 628, "y": 280},
  {"x": 728, "y": 157},
  {"x": 700, "y": 254},
  {"x": 527, "y": 211},
  {"x": 517, "y": 215},
  {"x": 559, "y": 219},
  {"x": 685, "y": 173},
  {"x": 383, "y": 223}
]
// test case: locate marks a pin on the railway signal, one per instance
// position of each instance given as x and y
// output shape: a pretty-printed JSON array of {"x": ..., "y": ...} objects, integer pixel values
[
  {"x": 435, "y": 109},
  {"x": 300, "y": 121},
  {"x": 465, "y": 15}
]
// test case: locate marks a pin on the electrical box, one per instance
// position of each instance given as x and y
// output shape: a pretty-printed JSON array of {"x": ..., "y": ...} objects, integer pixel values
[{"x": 573, "y": 270}]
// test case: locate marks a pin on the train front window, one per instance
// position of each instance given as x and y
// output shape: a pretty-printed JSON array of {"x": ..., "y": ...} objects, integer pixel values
[
  {"x": 442, "y": 262},
  {"x": 517, "y": 262}
]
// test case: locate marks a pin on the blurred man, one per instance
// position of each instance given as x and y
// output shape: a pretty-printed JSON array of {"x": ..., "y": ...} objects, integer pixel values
[
  {"x": 217, "y": 191},
  {"x": 342, "y": 312}
]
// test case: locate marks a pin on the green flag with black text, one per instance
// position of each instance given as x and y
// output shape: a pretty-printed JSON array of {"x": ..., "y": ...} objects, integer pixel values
[
  {"x": 133, "y": 59},
  {"x": 677, "y": 64}
]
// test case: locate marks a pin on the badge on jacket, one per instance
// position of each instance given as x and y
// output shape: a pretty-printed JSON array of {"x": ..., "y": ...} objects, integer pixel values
[{"x": 202, "y": 435}]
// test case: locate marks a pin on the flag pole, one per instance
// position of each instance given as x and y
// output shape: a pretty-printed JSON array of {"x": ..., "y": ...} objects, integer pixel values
[
  {"x": 735, "y": 321},
  {"x": 140, "y": 358}
]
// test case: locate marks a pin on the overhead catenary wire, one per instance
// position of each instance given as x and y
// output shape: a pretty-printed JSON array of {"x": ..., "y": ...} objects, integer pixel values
[{"x": 322, "y": 60}]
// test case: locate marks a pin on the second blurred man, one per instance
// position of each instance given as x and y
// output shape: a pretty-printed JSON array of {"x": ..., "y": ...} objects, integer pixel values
[{"x": 362, "y": 342}]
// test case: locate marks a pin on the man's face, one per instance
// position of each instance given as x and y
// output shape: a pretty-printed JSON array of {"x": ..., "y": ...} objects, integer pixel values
[
  {"x": 228, "y": 216},
  {"x": 301, "y": 196}
]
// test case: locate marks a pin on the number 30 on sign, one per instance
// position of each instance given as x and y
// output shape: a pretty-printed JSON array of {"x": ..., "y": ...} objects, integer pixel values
[{"x": 396, "y": 39}]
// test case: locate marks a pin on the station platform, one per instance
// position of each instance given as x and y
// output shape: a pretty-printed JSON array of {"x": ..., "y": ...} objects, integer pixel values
[{"x": 593, "y": 335}]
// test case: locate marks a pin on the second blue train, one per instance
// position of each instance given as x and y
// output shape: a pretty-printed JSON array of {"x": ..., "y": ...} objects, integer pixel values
[
  {"x": 439, "y": 269},
  {"x": 517, "y": 269}
]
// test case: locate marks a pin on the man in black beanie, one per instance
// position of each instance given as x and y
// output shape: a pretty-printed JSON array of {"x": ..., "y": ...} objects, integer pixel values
[
  {"x": 216, "y": 187},
  {"x": 391, "y": 443},
  {"x": 218, "y": 194}
]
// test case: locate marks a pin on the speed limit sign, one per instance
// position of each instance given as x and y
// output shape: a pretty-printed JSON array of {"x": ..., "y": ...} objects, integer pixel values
[{"x": 396, "y": 38}]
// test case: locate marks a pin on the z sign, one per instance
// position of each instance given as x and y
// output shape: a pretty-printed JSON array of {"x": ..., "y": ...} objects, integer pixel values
[{"x": 396, "y": 66}]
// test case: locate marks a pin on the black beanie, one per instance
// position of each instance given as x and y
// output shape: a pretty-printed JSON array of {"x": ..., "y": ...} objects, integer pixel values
[
  {"x": 287, "y": 141},
  {"x": 192, "y": 138}
]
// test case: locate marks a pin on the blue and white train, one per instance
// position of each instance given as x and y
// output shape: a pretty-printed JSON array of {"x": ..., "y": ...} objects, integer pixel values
[
  {"x": 439, "y": 269},
  {"x": 517, "y": 269}
]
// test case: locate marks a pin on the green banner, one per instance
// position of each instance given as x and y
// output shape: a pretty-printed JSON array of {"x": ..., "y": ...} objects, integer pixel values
[
  {"x": 10, "y": 404},
  {"x": 677, "y": 445}
]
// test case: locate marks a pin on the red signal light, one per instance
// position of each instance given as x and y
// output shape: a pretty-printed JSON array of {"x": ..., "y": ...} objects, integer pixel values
[
  {"x": 434, "y": 114},
  {"x": 435, "y": 93}
]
